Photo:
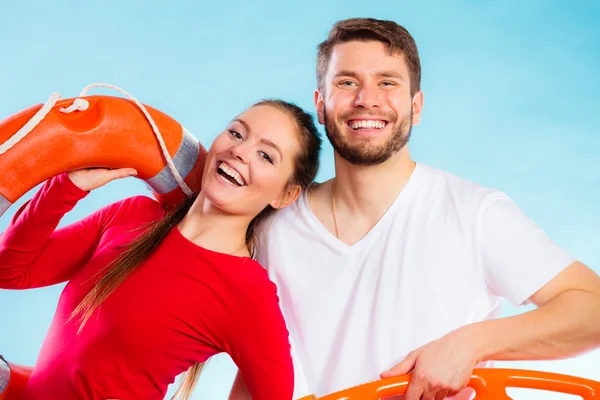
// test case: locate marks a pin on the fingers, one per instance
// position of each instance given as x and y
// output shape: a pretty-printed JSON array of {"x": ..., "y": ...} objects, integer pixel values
[
  {"x": 113, "y": 174},
  {"x": 441, "y": 395},
  {"x": 423, "y": 388},
  {"x": 92, "y": 178},
  {"x": 101, "y": 176},
  {"x": 419, "y": 386},
  {"x": 415, "y": 390},
  {"x": 403, "y": 367},
  {"x": 430, "y": 392}
]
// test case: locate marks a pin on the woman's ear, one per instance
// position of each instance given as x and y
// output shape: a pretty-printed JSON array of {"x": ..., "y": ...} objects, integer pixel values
[{"x": 290, "y": 195}]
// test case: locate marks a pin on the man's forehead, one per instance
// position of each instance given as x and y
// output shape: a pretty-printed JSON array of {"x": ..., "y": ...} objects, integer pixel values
[{"x": 366, "y": 56}]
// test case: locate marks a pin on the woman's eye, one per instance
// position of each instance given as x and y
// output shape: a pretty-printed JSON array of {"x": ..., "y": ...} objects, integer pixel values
[
  {"x": 266, "y": 157},
  {"x": 236, "y": 134}
]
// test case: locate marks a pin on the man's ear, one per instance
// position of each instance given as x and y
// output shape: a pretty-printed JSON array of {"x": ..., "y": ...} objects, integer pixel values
[
  {"x": 320, "y": 106},
  {"x": 417, "y": 107},
  {"x": 290, "y": 195}
]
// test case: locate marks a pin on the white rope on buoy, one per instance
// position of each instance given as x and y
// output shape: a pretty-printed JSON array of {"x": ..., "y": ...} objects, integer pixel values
[
  {"x": 32, "y": 123},
  {"x": 80, "y": 104}
]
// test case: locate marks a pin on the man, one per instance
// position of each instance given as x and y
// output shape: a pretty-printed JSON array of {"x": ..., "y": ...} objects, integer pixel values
[{"x": 395, "y": 267}]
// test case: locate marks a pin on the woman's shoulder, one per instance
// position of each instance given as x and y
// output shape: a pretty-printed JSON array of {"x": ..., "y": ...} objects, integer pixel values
[
  {"x": 252, "y": 277},
  {"x": 138, "y": 209}
]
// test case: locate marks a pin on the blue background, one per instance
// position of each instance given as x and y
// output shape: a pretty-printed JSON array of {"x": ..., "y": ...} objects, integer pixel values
[{"x": 511, "y": 101}]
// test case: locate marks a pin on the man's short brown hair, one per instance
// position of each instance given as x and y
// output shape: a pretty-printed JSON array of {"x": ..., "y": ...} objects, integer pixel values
[{"x": 397, "y": 38}]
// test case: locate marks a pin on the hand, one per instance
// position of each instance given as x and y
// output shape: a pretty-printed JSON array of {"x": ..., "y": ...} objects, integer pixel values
[
  {"x": 441, "y": 368},
  {"x": 92, "y": 178}
]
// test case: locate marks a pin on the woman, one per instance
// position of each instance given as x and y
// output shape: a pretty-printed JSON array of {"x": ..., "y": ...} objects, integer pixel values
[{"x": 143, "y": 305}]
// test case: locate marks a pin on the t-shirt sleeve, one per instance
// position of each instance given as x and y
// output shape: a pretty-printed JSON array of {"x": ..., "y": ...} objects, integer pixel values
[
  {"x": 258, "y": 343},
  {"x": 517, "y": 256}
]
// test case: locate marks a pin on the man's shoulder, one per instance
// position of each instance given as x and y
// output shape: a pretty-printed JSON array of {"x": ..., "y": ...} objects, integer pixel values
[
  {"x": 446, "y": 189},
  {"x": 455, "y": 185}
]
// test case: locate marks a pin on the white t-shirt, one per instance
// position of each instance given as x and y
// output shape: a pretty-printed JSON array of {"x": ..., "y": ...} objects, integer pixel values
[{"x": 443, "y": 255}]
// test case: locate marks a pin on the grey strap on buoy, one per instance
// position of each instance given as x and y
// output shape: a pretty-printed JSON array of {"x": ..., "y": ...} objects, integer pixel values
[
  {"x": 4, "y": 374},
  {"x": 4, "y": 204}
]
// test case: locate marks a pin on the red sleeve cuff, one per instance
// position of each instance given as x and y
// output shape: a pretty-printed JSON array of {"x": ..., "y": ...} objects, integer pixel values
[{"x": 68, "y": 189}]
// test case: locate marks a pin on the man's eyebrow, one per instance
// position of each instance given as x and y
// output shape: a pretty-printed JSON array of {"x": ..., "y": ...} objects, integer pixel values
[
  {"x": 390, "y": 74},
  {"x": 346, "y": 73},
  {"x": 382, "y": 73}
]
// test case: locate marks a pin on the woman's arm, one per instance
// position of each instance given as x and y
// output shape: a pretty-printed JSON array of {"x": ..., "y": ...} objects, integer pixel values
[
  {"x": 33, "y": 253},
  {"x": 259, "y": 345}
]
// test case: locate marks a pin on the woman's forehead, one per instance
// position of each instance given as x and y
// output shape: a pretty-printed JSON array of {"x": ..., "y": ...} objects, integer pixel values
[{"x": 268, "y": 120}]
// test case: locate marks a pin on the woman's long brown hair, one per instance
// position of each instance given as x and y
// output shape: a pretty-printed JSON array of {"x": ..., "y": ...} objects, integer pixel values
[{"x": 139, "y": 250}]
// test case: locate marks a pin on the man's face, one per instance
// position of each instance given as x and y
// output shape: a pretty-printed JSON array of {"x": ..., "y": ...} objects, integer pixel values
[{"x": 366, "y": 105}]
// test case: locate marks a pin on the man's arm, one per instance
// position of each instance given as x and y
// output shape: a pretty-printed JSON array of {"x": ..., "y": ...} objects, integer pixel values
[
  {"x": 239, "y": 391},
  {"x": 566, "y": 323},
  {"x": 520, "y": 263}
]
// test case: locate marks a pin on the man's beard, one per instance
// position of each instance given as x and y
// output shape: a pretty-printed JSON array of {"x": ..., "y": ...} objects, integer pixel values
[{"x": 368, "y": 154}]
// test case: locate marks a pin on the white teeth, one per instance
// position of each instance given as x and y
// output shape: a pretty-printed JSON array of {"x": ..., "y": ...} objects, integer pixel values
[
  {"x": 366, "y": 123},
  {"x": 232, "y": 173}
]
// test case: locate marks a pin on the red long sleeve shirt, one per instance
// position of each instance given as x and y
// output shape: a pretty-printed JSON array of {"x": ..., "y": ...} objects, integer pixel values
[{"x": 185, "y": 304}]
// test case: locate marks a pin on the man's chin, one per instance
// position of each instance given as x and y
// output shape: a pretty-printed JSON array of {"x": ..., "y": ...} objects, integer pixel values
[{"x": 362, "y": 157}]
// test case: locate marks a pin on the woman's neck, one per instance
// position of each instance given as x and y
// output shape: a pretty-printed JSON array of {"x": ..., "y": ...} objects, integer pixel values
[{"x": 209, "y": 227}]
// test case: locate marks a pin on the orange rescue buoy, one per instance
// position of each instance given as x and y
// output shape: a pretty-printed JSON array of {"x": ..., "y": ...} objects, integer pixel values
[
  {"x": 489, "y": 384},
  {"x": 98, "y": 131},
  {"x": 93, "y": 131}
]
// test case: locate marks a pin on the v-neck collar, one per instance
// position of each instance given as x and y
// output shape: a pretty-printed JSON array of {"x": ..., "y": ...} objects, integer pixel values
[{"x": 338, "y": 244}]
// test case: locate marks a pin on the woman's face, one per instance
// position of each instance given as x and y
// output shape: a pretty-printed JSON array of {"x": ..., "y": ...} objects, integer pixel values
[{"x": 250, "y": 164}]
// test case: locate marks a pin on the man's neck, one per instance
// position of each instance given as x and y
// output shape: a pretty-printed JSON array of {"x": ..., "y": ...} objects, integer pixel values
[
  {"x": 370, "y": 190},
  {"x": 351, "y": 204}
]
